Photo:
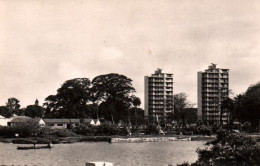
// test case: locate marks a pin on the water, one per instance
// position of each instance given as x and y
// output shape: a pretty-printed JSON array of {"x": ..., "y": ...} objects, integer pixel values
[{"x": 121, "y": 154}]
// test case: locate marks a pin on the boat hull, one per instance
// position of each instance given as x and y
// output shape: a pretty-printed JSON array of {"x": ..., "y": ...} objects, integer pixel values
[{"x": 32, "y": 147}]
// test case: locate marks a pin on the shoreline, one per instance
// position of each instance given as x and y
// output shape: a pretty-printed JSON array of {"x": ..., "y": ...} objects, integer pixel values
[{"x": 109, "y": 139}]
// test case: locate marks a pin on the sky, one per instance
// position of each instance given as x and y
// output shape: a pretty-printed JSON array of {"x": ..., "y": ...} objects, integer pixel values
[{"x": 43, "y": 43}]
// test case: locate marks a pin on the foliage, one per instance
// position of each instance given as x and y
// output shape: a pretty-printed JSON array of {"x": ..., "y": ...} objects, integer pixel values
[
  {"x": 152, "y": 129},
  {"x": 13, "y": 103},
  {"x": 30, "y": 128},
  {"x": 114, "y": 92},
  {"x": 226, "y": 106},
  {"x": 5, "y": 112},
  {"x": 12, "y": 107},
  {"x": 62, "y": 133},
  {"x": 136, "y": 116},
  {"x": 191, "y": 115},
  {"x": 180, "y": 103},
  {"x": 106, "y": 129},
  {"x": 252, "y": 104},
  {"x": 230, "y": 149},
  {"x": 103, "y": 129},
  {"x": 34, "y": 111},
  {"x": 85, "y": 130},
  {"x": 115, "y": 86},
  {"x": 245, "y": 107},
  {"x": 136, "y": 101},
  {"x": 7, "y": 132},
  {"x": 70, "y": 100},
  {"x": 19, "y": 112}
]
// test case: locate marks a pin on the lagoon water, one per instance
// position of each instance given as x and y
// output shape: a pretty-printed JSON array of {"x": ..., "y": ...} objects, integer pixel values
[{"x": 121, "y": 154}]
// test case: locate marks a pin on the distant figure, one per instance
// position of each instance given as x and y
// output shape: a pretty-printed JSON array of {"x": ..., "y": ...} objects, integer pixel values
[{"x": 49, "y": 144}]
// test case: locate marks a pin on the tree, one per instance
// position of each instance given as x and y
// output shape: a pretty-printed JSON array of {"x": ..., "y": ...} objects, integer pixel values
[
  {"x": 239, "y": 111},
  {"x": 229, "y": 150},
  {"x": 34, "y": 111},
  {"x": 227, "y": 105},
  {"x": 191, "y": 115},
  {"x": 14, "y": 106},
  {"x": 252, "y": 104},
  {"x": 114, "y": 92},
  {"x": 180, "y": 103},
  {"x": 4, "y": 111},
  {"x": 70, "y": 101},
  {"x": 136, "y": 115},
  {"x": 13, "y": 103}
]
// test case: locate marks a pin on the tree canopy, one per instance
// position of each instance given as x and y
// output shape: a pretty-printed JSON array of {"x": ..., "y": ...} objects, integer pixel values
[
  {"x": 5, "y": 112},
  {"x": 115, "y": 93},
  {"x": 180, "y": 104},
  {"x": 70, "y": 100},
  {"x": 34, "y": 111},
  {"x": 252, "y": 104},
  {"x": 13, "y": 103}
]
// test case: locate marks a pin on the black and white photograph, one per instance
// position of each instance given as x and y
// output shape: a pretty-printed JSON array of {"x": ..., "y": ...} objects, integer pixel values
[{"x": 129, "y": 83}]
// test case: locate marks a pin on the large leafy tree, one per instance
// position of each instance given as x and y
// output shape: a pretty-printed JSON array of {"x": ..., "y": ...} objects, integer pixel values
[
  {"x": 115, "y": 93},
  {"x": 227, "y": 106},
  {"x": 5, "y": 112},
  {"x": 70, "y": 101},
  {"x": 34, "y": 111},
  {"x": 136, "y": 116},
  {"x": 246, "y": 106},
  {"x": 180, "y": 104},
  {"x": 13, "y": 103},
  {"x": 239, "y": 111},
  {"x": 252, "y": 104}
]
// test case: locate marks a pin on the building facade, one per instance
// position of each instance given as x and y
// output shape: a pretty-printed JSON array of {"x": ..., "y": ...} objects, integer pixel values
[
  {"x": 158, "y": 95},
  {"x": 213, "y": 87}
]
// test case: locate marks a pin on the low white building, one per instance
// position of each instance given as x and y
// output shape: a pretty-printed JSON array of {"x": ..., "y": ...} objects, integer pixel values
[
  {"x": 4, "y": 121},
  {"x": 61, "y": 123},
  {"x": 23, "y": 119}
]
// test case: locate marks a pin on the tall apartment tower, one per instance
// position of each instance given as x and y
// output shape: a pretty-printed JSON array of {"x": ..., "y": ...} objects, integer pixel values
[
  {"x": 213, "y": 87},
  {"x": 158, "y": 95}
]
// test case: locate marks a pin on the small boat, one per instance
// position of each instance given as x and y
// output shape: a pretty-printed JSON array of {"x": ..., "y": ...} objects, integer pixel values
[{"x": 33, "y": 147}]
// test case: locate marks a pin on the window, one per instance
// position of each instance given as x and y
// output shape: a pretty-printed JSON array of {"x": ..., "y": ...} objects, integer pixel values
[{"x": 60, "y": 125}]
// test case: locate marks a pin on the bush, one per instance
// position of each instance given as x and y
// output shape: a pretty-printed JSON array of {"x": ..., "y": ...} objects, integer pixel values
[
  {"x": 107, "y": 129},
  {"x": 230, "y": 149},
  {"x": 62, "y": 133},
  {"x": 152, "y": 129},
  {"x": 104, "y": 129},
  {"x": 7, "y": 132},
  {"x": 28, "y": 129},
  {"x": 85, "y": 130}
]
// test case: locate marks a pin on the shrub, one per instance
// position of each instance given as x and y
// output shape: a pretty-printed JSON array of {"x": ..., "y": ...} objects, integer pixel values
[
  {"x": 28, "y": 129},
  {"x": 104, "y": 129},
  {"x": 107, "y": 129},
  {"x": 230, "y": 149},
  {"x": 85, "y": 130},
  {"x": 152, "y": 129},
  {"x": 62, "y": 133}
]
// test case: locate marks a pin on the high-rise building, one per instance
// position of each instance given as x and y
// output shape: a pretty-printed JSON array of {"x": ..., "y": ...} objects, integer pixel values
[
  {"x": 158, "y": 95},
  {"x": 213, "y": 87}
]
